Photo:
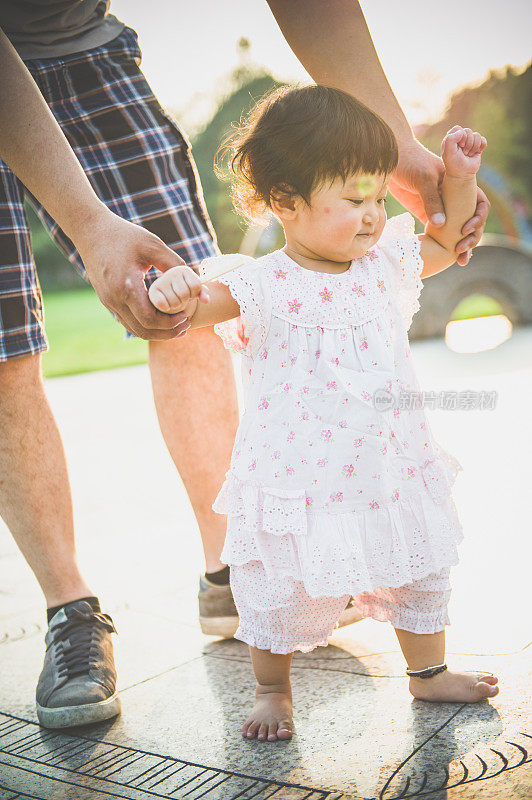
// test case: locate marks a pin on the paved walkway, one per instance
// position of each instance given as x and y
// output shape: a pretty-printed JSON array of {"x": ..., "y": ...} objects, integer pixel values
[{"x": 358, "y": 732}]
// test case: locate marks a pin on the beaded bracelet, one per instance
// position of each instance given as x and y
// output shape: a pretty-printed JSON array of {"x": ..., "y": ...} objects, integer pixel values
[{"x": 428, "y": 672}]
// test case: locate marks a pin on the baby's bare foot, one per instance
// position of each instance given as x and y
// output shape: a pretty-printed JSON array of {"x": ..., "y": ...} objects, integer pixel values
[
  {"x": 455, "y": 687},
  {"x": 271, "y": 717}
]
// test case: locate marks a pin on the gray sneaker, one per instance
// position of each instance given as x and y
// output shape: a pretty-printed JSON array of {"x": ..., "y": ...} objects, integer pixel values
[
  {"x": 217, "y": 611},
  {"x": 77, "y": 684}
]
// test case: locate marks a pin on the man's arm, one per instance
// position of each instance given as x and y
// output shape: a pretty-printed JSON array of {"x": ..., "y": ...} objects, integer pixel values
[
  {"x": 116, "y": 253},
  {"x": 332, "y": 41}
]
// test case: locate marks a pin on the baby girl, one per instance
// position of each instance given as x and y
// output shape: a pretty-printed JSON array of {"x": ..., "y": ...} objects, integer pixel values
[{"x": 335, "y": 490}]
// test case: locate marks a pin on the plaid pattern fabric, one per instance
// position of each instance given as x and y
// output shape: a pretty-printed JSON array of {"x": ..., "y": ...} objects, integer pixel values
[{"x": 136, "y": 158}]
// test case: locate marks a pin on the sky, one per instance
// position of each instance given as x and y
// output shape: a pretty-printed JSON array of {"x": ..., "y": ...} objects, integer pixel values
[{"x": 428, "y": 49}]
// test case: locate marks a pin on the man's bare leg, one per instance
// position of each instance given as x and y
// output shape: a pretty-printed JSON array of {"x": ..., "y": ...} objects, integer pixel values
[
  {"x": 196, "y": 401},
  {"x": 36, "y": 505},
  {"x": 35, "y": 500}
]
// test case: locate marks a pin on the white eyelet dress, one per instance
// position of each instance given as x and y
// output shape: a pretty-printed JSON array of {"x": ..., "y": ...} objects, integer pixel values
[{"x": 335, "y": 489}]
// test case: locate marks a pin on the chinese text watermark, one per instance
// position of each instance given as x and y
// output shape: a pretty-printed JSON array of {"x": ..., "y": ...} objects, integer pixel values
[{"x": 447, "y": 400}]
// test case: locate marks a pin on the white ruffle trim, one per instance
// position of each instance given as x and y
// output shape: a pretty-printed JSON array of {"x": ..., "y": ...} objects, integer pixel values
[
  {"x": 264, "y": 641},
  {"x": 247, "y": 333},
  {"x": 370, "y": 606},
  {"x": 348, "y": 552},
  {"x": 402, "y": 247},
  {"x": 439, "y": 473}
]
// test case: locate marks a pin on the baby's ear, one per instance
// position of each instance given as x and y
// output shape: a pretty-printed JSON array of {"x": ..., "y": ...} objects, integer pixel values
[{"x": 283, "y": 201}]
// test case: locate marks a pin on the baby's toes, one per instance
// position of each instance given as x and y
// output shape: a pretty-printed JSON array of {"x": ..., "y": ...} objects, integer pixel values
[
  {"x": 263, "y": 731},
  {"x": 247, "y": 725},
  {"x": 482, "y": 690},
  {"x": 272, "y": 731},
  {"x": 284, "y": 730},
  {"x": 253, "y": 728}
]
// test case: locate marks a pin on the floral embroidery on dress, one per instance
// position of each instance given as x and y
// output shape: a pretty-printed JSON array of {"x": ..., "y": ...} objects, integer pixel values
[
  {"x": 306, "y": 295},
  {"x": 294, "y": 306}
]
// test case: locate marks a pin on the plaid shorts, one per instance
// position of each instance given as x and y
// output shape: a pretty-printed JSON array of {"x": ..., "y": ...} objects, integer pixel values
[{"x": 136, "y": 158}]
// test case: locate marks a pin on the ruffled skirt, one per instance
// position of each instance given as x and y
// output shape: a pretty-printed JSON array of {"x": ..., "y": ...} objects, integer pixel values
[
  {"x": 345, "y": 552},
  {"x": 393, "y": 560}
]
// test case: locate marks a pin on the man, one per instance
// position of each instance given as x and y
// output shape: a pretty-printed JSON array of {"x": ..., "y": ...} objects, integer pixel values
[{"x": 138, "y": 163}]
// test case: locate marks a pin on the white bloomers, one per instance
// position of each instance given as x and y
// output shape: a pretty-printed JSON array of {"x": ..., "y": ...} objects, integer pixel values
[{"x": 279, "y": 615}]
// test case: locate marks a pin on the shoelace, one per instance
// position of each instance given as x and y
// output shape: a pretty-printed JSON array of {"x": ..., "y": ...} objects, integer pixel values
[{"x": 77, "y": 635}]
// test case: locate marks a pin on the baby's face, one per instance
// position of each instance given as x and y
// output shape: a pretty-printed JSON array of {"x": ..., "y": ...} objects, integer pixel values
[{"x": 344, "y": 219}]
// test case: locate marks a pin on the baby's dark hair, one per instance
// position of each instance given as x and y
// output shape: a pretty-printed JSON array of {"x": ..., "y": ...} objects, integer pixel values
[{"x": 296, "y": 139}]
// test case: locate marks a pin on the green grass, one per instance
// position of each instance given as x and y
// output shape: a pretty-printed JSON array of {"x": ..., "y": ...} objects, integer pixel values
[
  {"x": 476, "y": 305},
  {"x": 83, "y": 335}
]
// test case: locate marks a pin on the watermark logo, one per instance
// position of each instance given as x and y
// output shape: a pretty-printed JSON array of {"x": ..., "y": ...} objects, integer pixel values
[
  {"x": 383, "y": 400},
  {"x": 446, "y": 400}
]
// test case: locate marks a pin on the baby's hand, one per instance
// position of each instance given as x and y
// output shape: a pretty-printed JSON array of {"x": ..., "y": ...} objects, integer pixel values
[
  {"x": 460, "y": 150},
  {"x": 178, "y": 289}
]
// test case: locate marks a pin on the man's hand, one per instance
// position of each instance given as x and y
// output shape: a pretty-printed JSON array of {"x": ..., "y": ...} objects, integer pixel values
[
  {"x": 416, "y": 184},
  {"x": 117, "y": 254}
]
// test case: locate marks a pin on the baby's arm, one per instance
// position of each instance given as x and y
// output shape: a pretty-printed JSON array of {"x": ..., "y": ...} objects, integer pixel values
[
  {"x": 461, "y": 152},
  {"x": 204, "y": 304}
]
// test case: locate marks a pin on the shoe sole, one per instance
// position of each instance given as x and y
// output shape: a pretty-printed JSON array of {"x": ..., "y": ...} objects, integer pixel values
[
  {"x": 68, "y": 716},
  {"x": 219, "y": 626}
]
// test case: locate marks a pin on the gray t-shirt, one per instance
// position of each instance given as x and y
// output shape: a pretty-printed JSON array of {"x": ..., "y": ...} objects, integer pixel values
[{"x": 49, "y": 28}]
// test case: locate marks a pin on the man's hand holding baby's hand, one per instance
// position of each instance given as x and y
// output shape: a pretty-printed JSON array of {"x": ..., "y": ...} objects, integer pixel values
[
  {"x": 178, "y": 290},
  {"x": 461, "y": 152}
]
